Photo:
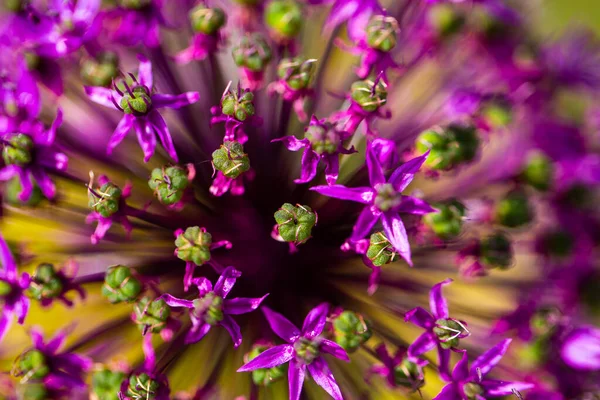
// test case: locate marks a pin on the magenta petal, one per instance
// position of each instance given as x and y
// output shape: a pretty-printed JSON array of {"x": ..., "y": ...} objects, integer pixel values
[
  {"x": 321, "y": 374},
  {"x": 50, "y": 134},
  {"x": 404, "y": 174},
  {"x": 385, "y": 151},
  {"x": 490, "y": 358},
  {"x": 175, "y": 302},
  {"x": 161, "y": 129},
  {"x": 329, "y": 347},
  {"x": 365, "y": 222},
  {"x": 145, "y": 72},
  {"x": 360, "y": 194},
  {"x": 57, "y": 341},
  {"x": 145, "y": 136},
  {"x": 175, "y": 101},
  {"x": 422, "y": 344},
  {"x": 581, "y": 349},
  {"x": 270, "y": 358},
  {"x": 242, "y": 305},
  {"x": 340, "y": 12},
  {"x": 7, "y": 260},
  {"x": 226, "y": 281},
  {"x": 412, "y": 205},
  {"x": 296, "y": 372},
  {"x": 315, "y": 321},
  {"x": 449, "y": 392},
  {"x": 280, "y": 325},
  {"x": 5, "y": 322},
  {"x": 234, "y": 330},
  {"x": 310, "y": 162},
  {"x": 332, "y": 168},
  {"x": 120, "y": 132},
  {"x": 461, "y": 369},
  {"x": 420, "y": 317},
  {"x": 44, "y": 182},
  {"x": 444, "y": 363},
  {"x": 292, "y": 143},
  {"x": 8, "y": 172},
  {"x": 197, "y": 333},
  {"x": 375, "y": 171},
  {"x": 26, "y": 185},
  {"x": 495, "y": 388},
  {"x": 101, "y": 95},
  {"x": 437, "y": 303},
  {"x": 204, "y": 286},
  {"x": 396, "y": 233},
  {"x": 21, "y": 309}
]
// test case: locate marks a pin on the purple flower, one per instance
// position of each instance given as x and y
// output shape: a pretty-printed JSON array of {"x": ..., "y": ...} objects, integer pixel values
[
  {"x": 29, "y": 153},
  {"x": 12, "y": 290},
  {"x": 441, "y": 331},
  {"x": 213, "y": 308},
  {"x": 139, "y": 105},
  {"x": 356, "y": 13},
  {"x": 471, "y": 383},
  {"x": 223, "y": 184},
  {"x": 384, "y": 201},
  {"x": 19, "y": 101},
  {"x": 146, "y": 375},
  {"x": 303, "y": 351},
  {"x": 393, "y": 370},
  {"x": 74, "y": 25},
  {"x": 581, "y": 348},
  {"x": 66, "y": 275},
  {"x": 138, "y": 25},
  {"x": 322, "y": 142},
  {"x": 200, "y": 47}
]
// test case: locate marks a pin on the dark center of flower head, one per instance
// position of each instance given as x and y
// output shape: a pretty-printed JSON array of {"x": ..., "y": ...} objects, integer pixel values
[
  {"x": 449, "y": 332},
  {"x": 472, "y": 390},
  {"x": 323, "y": 139},
  {"x": 387, "y": 197},
  {"x": 135, "y": 98},
  {"x": 18, "y": 150},
  {"x": 209, "y": 308},
  {"x": 306, "y": 350}
]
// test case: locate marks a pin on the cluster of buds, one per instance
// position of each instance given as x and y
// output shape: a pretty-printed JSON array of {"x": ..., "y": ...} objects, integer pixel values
[
  {"x": 252, "y": 55},
  {"x": 349, "y": 330},
  {"x": 231, "y": 160},
  {"x": 193, "y": 245},
  {"x": 169, "y": 183},
  {"x": 106, "y": 384},
  {"x": 295, "y": 223},
  {"x": 448, "y": 147},
  {"x": 207, "y": 20},
  {"x": 380, "y": 251},
  {"x": 514, "y": 210},
  {"x": 46, "y": 283},
  {"x": 101, "y": 70},
  {"x": 120, "y": 284},
  {"x": 447, "y": 222},
  {"x": 284, "y": 19},
  {"x": 106, "y": 200},
  {"x": 151, "y": 316}
]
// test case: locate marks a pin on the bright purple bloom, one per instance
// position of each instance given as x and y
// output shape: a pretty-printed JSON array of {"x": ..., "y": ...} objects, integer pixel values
[
  {"x": 371, "y": 60},
  {"x": 322, "y": 142},
  {"x": 438, "y": 320},
  {"x": 213, "y": 308},
  {"x": 138, "y": 26},
  {"x": 149, "y": 368},
  {"x": 356, "y": 13},
  {"x": 303, "y": 351},
  {"x": 12, "y": 289},
  {"x": 471, "y": 383},
  {"x": 581, "y": 348},
  {"x": 140, "y": 107},
  {"x": 390, "y": 364},
  {"x": 223, "y": 184},
  {"x": 384, "y": 201},
  {"x": 19, "y": 101},
  {"x": 201, "y": 45},
  {"x": 74, "y": 25}
]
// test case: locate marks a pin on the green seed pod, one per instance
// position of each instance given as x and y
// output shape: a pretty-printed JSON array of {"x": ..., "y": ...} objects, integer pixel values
[
  {"x": 447, "y": 222},
  {"x": 449, "y": 332},
  {"x": 169, "y": 184},
  {"x": 496, "y": 251},
  {"x": 33, "y": 391},
  {"x": 381, "y": 33},
  {"x": 18, "y": 150},
  {"x": 497, "y": 114},
  {"x": 151, "y": 315},
  {"x": 295, "y": 223},
  {"x": 448, "y": 147},
  {"x": 31, "y": 365},
  {"x": 139, "y": 103},
  {"x": 473, "y": 390},
  {"x": 538, "y": 172},
  {"x": 13, "y": 188},
  {"x": 231, "y": 160},
  {"x": 105, "y": 201},
  {"x": 210, "y": 308},
  {"x": 106, "y": 384},
  {"x": 387, "y": 197},
  {"x": 45, "y": 283},
  {"x": 15, "y": 5},
  {"x": 194, "y": 245},
  {"x": 265, "y": 376},
  {"x": 100, "y": 71},
  {"x": 409, "y": 375},
  {"x": 142, "y": 386},
  {"x": 121, "y": 285},
  {"x": 514, "y": 210},
  {"x": 240, "y": 107},
  {"x": 366, "y": 97},
  {"x": 467, "y": 140},
  {"x": 381, "y": 251},
  {"x": 445, "y": 20},
  {"x": 351, "y": 330},
  {"x": 306, "y": 350},
  {"x": 5, "y": 288},
  {"x": 252, "y": 52},
  {"x": 207, "y": 20},
  {"x": 323, "y": 138},
  {"x": 297, "y": 72},
  {"x": 284, "y": 18},
  {"x": 134, "y": 4}
]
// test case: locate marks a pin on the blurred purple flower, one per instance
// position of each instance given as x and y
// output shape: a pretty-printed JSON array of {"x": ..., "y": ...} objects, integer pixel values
[
  {"x": 356, "y": 13},
  {"x": 12, "y": 289},
  {"x": 581, "y": 348}
]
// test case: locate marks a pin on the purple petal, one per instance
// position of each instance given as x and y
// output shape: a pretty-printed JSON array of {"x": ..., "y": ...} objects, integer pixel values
[
  {"x": 360, "y": 194},
  {"x": 7, "y": 260},
  {"x": 44, "y": 182},
  {"x": 375, "y": 171},
  {"x": 175, "y": 302},
  {"x": 422, "y": 344},
  {"x": 449, "y": 392},
  {"x": 340, "y": 12},
  {"x": 385, "y": 151},
  {"x": 5, "y": 322},
  {"x": 204, "y": 286},
  {"x": 57, "y": 341},
  {"x": 242, "y": 305},
  {"x": 270, "y": 358},
  {"x": 29, "y": 95},
  {"x": 21, "y": 309},
  {"x": 315, "y": 321},
  {"x": 26, "y": 185},
  {"x": 320, "y": 372},
  {"x": 226, "y": 281},
  {"x": 444, "y": 363},
  {"x": 310, "y": 162},
  {"x": 52, "y": 77},
  {"x": 145, "y": 72},
  {"x": 365, "y": 222},
  {"x": 384, "y": 356},
  {"x": 197, "y": 333},
  {"x": 332, "y": 168},
  {"x": 412, "y": 205},
  {"x": 404, "y": 174},
  {"x": 420, "y": 317},
  {"x": 145, "y": 136},
  {"x": 50, "y": 134},
  {"x": 160, "y": 127},
  {"x": 437, "y": 302},
  {"x": 234, "y": 330},
  {"x": 581, "y": 349},
  {"x": 292, "y": 143},
  {"x": 8, "y": 172},
  {"x": 461, "y": 369},
  {"x": 281, "y": 325},
  {"x": 396, "y": 233},
  {"x": 296, "y": 372},
  {"x": 490, "y": 358},
  {"x": 101, "y": 95},
  {"x": 500, "y": 388},
  {"x": 175, "y": 101},
  {"x": 120, "y": 132},
  {"x": 329, "y": 347}
]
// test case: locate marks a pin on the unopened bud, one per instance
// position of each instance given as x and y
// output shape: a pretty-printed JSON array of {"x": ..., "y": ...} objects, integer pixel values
[
  {"x": 252, "y": 52},
  {"x": 514, "y": 210},
  {"x": 381, "y": 251},
  {"x": 169, "y": 184},
  {"x": 381, "y": 33},
  {"x": 297, "y": 72},
  {"x": 194, "y": 245},
  {"x": 231, "y": 160},
  {"x": 18, "y": 150},
  {"x": 151, "y": 315},
  {"x": 496, "y": 251},
  {"x": 121, "y": 285},
  {"x": 106, "y": 200},
  {"x": 207, "y": 20},
  {"x": 370, "y": 96},
  {"x": 45, "y": 283},
  {"x": 350, "y": 330},
  {"x": 295, "y": 223},
  {"x": 284, "y": 18}
]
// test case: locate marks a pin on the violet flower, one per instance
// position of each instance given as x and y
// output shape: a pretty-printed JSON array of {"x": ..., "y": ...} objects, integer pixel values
[
  {"x": 201, "y": 45},
  {"x": 19, "y": 101},
  {"x": 322, "y": 142},
  {"x": 213, "y": 308},
  {"x": 139, "y": 105},
  {"x": 138, "y": 25},
  {"x": 66, "y": 275},
  {"x": 147, "y": 381},
  {"x": 223, "y": 184},
  {"x": 471, "y": 383},
  {"x": 12, "y": 290},
  {"x": 383, "y": 201},
  {"x": 303, "y": 351},
  {"x": 74, "y": 25},
  {"x": 355, "y": 12},
  {"x": 397, "y": 369},
  {"x": 581, "y": 348}
]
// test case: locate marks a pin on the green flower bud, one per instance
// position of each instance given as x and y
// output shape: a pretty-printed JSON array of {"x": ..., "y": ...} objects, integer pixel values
[
  {"x": 207, "y": 20},
  {"x": 534, "y": 353},
  {"x": 32, "y": 60},
  {"x": 169, "y": 184},
  {"x": 265, "y": 376},
  {"x": 34, "y": 391},
  {"x": 15, "y": 5},
  {"x": 31, "y": 365},
  {"x": 351, "y": 330},
  {"x": 473, "y": 390},
  {"x": 497, "y": 114},
  {"x": 252, "y": 52},
  {"x": 247, "y": 2},
  {"x": 295, "y": 223},
  {"x": 105, "y": 201},
  {"x": 306, "y": 350},
  {"x": 106, "y": 384},
  {"x": 449, "y": 332},
  {"x": 297, "y": 72},
  {"x": 151, "y": 315},
  {"x": 545, "y": 320},
  {"x": 578, "y": 196},
  {"x": 381, "y": 33},
  {"x": 323, "y": 139},
  {"x": 538, "y": 171},
  {"x": 194, "y": 245},
  {"x": 142, "y": 387},
  {"x": 210, "y": 308},
  {"x": 13, "y": 188},
  {"x": 387, "y": 197},
  {"x": 381, "y": 251},
  {"x": 240, "y": 107},
  {"x": 447, "y": 222},
  {"x": 5, "y": 288},
  {"x": 445, "y": 19},
  {"x": 121, "y": 285},
  {"x": 100, "y": 71},
  {"x": 514, "y": 210},
  {"x": 18, "y": 150},
  {"x": 231, "y": 160},
  {"x": 139, "y": 103},
  {"x": 496, "y": 251},
  {"x": 409, "y": 375},
  {"x": 448, "y": 147},
  {"x": 370, "y": 99},
  {"x": 45, "y": 283},
  {"x": 284, "y": 18},
  {"x": 134, "y": 4}
]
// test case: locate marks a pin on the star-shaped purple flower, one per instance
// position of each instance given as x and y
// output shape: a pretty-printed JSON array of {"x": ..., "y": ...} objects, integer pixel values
[
  {"x": 136, "y": 26},
  {"x": 303, "y": 351},
  {"x": 383, "y": 201},
  {"x": 140, "y": 107},
  {"x": 390, "y": 366},
  {"x": 12, "y": 290},
  {"x": 213, "y": 308}
]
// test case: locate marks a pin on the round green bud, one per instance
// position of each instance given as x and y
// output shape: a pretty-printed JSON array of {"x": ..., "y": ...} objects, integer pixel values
[
  {"x": 496, "y": 251},
  {"x": 139, "y": 103},
  {"x": 31, "y": 365},
  {"x": 142, "y": 386},
  {"x": 534, "y": 353},
  {"x": 381, "y": 251},
  {"x": 381, "y": 33},
  {"x": 467, "y": 140},
  {"x": 284, "y": 18},
  {"x": 15, "y": 5},
  {"x": 538, "y": 171},
  {"x": 121, "y": 285},
  {"x": 514, "y": 210},
  {"x": 240, "y": 107},
  {"x": 45, "y": 283},
  {"x": 387, "y": 197},
  {"x": 323, "y": 139},
  {"x": 265, "y": 376},
  {"x": 151, "y": 315},
  {"x": 366, "y": 97},
  {"x": 32, "y": 60},
  {"x": 33, "y": 391},
  {"x": 231, "y": 160},
  {"x": 5, "y": 288},
  {"x": 544, "y": 320},
  {"x": 100, "y": 71},
  {"x": 497, "y": 114},
  {"x": 194, "y": 245},
  {"x": 169, "y": 184},
  {"x": 295, "y": 223},
  {"x": 207, "y": 20},
  {"x": 351, "y": 330},
  {"x": 297, "y": 72},
  {"x": 578, "y": 196},
  {"x": 449, "y": 332},
  {"x": 306, "y": 350},
  {"x": 210, "y": 308},
  {"x": 447, "y": 222},
  {"x": 252, "y": 52},
  {"x": 473, "y": 390},
  {"x": 105, "y": 201},
  {"x": 106, "y": 384},
  {"x": 13, "y": 188},
  {"x": 409, "y": 375},
  {"x": 134, "y": 4},
  {"x": 445, "y": 20},
  {"x": 18, "y": 150},
  {"x": 448, "y": 147}
]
